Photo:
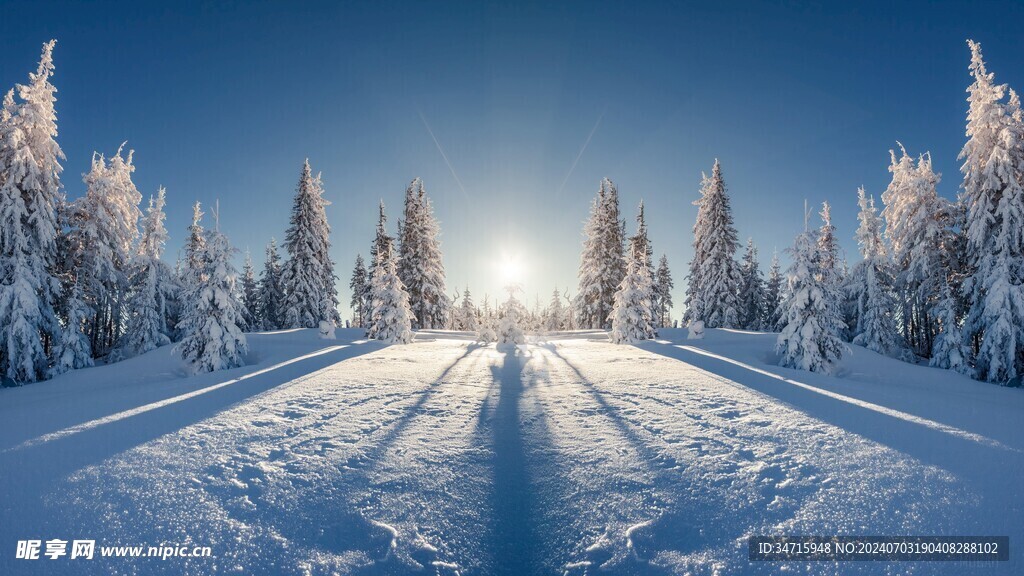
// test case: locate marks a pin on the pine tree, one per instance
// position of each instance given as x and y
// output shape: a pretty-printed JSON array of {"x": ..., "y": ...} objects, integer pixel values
[
  {"x": 30, "y": 194},
  {"x": 632, "y": 316},
  {"x": 391, "y": 316},
  {"x": 213, "y": 338},
  {"x": 152, "y": 286},
  {"x": 104, "y": 227},
  {"x": 250, "y": 296},
  {"x": 993, "y": 171},
  {"x": 663, "y": 286},
  {"x": 773, "y": 296},
  {"x": 869, "y": 287},
  {"x": 808, "y": 340},
  {"x": 271, "y": 290},
  {"x": 712, "y": 292},
  {"x": 752, "y": 290},
  {"x": 420, "y": 265},
  {"x": 601, "y": 262},
  {"x": 308, "y": 275},
  {"x": 360, "y": 286}
]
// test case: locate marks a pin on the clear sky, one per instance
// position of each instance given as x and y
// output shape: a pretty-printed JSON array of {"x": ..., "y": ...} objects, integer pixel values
[{"x": 224, "y": 100}]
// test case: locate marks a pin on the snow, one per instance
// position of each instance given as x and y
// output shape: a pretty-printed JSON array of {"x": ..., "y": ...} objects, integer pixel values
[{"x": 564, "y": 456}]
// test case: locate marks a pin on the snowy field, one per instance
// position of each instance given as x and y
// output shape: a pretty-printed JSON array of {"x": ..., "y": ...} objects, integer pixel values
[{"x": 566, "y": 456}]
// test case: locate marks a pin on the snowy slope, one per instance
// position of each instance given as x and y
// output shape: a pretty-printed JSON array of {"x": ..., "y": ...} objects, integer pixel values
[{"x": 570, "y": 455}]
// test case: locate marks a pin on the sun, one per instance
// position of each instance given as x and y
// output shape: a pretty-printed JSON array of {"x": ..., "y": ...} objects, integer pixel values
[{"x": 510, "y": 267}]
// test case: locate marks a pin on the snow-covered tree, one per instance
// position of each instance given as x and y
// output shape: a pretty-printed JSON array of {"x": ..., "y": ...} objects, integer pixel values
[
  {"x": 359, "y": 283},
  {"x": 465, "y": 315},
  {"x": 916, "y": 224},
  {"x": 663, "y": 286},
  {"x": 486, "y": 328},
  {"x": 391, "y": 316},
  {"x": 420, "y": 265},
  {"x": 751, "y": 290},
  {"x": 382, "y": 242},
  {"x": 555, "y": 314},
  {"x": 640, "y": 242},
  {"x": 832, "y": 267},
  {"x": 250, "y": 295},
  {"x": 212, "y": 318},
  {"x": 30, "y": 194},
  {"x": 809, "y": 339},
  {"x": 104, "y": 227},
  {"x": 869, "y": 286},
  {"x": 513, "y": 313},
  {"x": 308, "y": 275},
  {"x": 151, "y": 286},
  {"x": 601, "y": 261},
  {"x": 271, "y": 290},
  {"x": 993, "y": 172},
  {"x": 632, "y": 317},
  {"x": 773, "y": 296},
  {"x": 72, "y": 350},
  {"x": 711, "y": 295}
]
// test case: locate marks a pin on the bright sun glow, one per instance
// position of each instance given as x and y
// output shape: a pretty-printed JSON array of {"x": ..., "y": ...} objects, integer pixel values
[{"x": 511, "y": 269}]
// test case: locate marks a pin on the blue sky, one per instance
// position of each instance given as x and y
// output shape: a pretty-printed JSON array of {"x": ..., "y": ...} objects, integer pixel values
[{"x": 224, "y": 100}]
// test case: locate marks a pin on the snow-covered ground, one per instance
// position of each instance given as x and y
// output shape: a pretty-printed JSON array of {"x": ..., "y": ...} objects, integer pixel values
[{"x": 570, "y": 455}]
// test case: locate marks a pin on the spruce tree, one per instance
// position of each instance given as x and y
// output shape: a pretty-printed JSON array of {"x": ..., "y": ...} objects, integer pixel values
[
  {"x": 773, "y": 296},
  {"x": 513, "y": 314},
  {"x": 554, "y": 315},
  {"x": 30, "y": 194},
  {"x": 711, "y": 295},
  {"x": 308, "y": 275},
  {"x": 420, "y": 265},
  {"x": 360, "y": 286},
  {"x": 663, "y": 286},
  {"x": 993, "y": 171},
  {"x": 391, "y": 316},
  {"x": 870, "y": 286},
  {"x": 271, "y": 290},
  {"x": 752, "y": 290},
  {"x": 465, "y": 316},
  {"x": 250, "y": 296},
  {"x": 601, "y": 262},
  {"x": 808, "y": 340},
  {"x": 152, "y": 286},
  {"x": 831, "y": 267},
  {"x": 213, "y": 338},
  {"x": 632, "y": 316}
]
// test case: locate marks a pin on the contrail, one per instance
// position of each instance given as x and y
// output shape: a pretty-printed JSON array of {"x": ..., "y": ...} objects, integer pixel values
[
  {"x": 441, "y": 150},
  {"x": 582, "y": 149}
]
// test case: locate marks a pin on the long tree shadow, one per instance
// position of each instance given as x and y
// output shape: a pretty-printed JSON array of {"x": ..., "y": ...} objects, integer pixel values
[
  {"x": 972, "y": 458},
  {"x": 514, "y": 539}
]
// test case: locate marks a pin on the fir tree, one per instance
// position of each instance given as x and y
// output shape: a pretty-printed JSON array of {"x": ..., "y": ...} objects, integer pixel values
[
  {"x": 271, "y": 290},
  {"x": 308, "y": 275},
  {"x": 712, "y": 292},
  {"x": 420, "y": 263},
  {"x": 752, "y": 290},
  {"x": 555, "y": 314},
  {"x": 601, "y": 262},
  {"x": 773, "y": 296},
  {"x": 250, "y": 296},
  {"x": 465, "y": 316},
  {"x": 870, "y": 286},
  {"x": 632, "y": 317},
  {"x": 391, "y": 318},
  {"x": 213, "y": 338},
  {"x": 809, "y": 340},
  {"x": 30, "y": 194},
  {"x": 641, "y": 243},
  {"x": 513, "y": 313},
  {"x": 486, "y": 329},
  {"x": 831, "y": 267},
  {"x": 104, "y": 228},
  {"x": 152, "y": 286},
  {"x": 663, "y": 286},
  {"x": 993, "y": 171},
  {"x": 360, "y": 286}
]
